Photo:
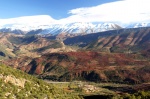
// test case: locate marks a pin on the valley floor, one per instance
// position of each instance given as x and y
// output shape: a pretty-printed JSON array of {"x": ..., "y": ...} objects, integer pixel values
[{"x": 91, "y": 90}]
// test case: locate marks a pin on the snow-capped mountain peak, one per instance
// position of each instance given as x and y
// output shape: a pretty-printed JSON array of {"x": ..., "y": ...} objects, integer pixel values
[
  {"x": 137, "y": 25},
  {"x": 52, "y": 26},
  {"x": 48, "y": 25}
]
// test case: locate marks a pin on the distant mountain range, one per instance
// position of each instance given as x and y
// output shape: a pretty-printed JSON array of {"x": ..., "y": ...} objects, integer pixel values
[
  {"x": 44, "y": 24},
  {"x": 111, "y": 56}
]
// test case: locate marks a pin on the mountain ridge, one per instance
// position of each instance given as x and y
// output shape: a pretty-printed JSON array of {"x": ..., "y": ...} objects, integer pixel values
[{"x": 48, "y": 25}]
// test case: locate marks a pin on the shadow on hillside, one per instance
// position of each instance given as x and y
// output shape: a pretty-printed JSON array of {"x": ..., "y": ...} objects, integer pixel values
[{"x": 98, "y": 97}]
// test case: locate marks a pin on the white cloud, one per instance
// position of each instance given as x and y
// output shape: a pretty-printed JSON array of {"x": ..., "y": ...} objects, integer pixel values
[
  {"x": 121, "y": 11},
  {"x": 124, "y": 11}
]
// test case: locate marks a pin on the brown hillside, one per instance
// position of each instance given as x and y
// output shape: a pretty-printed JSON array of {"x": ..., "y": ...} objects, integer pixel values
[{"x": 91, "y": 66}]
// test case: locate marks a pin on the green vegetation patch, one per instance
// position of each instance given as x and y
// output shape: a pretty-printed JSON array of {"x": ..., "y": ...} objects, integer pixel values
[{"x": 32, "y": 87}]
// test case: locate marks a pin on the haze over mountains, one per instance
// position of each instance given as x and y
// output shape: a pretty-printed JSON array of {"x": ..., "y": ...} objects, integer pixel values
[{"x": 48, "y": 25}]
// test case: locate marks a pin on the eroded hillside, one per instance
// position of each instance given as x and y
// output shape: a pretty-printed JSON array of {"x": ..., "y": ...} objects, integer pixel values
[
  {"x": 90, "y": 66},
  {"x": 12, "y": 45}
]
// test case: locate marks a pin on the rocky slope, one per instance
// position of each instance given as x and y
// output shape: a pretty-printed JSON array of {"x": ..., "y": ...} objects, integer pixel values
[{"x": 17, "y": 85}]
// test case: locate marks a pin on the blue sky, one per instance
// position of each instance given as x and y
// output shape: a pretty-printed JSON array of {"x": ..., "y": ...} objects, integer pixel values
[
  {"x": 123, "y": 11},
  {"x": 55, "y": 8}
]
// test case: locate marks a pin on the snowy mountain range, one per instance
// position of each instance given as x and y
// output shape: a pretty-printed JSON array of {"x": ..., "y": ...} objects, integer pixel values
[{"x": 48, "y": 25}]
